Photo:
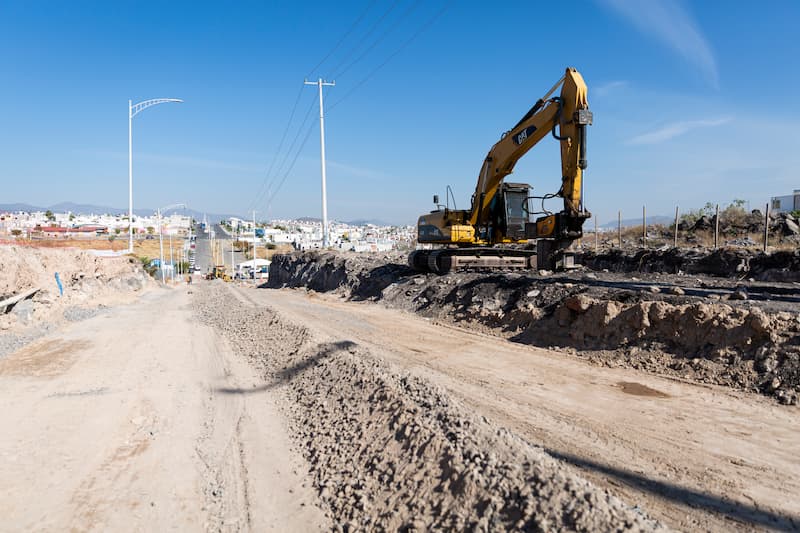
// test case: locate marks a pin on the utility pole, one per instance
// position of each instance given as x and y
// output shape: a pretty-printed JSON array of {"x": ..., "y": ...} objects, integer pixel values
[
  {"x": 255, "y": 255},
  {"x": 319, "y": 83},
  {"x": 171, "y": 260}
]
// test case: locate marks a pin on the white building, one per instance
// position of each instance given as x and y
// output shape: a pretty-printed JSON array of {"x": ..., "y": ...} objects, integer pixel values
[{"x": 785, "y": 204}]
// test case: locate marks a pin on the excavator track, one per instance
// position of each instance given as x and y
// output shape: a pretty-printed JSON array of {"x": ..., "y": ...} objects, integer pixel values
[{"x": 443, "y": 261}]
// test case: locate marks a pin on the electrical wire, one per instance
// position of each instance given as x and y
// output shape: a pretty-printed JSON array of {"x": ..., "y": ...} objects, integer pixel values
[
  {"x": 268, "y": 177},
  {"x": 272, "y": 193},
  {"x": 402, "y": 47},
  {"x": 379, "y": 39},
  {"x": 264, "y": 184},
  {"x": 365, "y": 36},
  {"x": 342, "y": 39},
  {"x": 289, "y": 170}
]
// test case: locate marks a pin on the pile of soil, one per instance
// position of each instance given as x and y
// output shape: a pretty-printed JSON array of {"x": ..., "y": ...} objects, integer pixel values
[
  {"x": 389, "y": 451},
  {"x": 88, "y": 282},
  {"x": 740, "y": 334}
]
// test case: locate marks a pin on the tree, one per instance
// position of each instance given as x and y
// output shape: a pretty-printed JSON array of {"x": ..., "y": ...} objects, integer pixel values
[
  {"x": 734, "y": 217},
  {"x": 49, "y": 215},
  {"x": 148, "y": 265}
]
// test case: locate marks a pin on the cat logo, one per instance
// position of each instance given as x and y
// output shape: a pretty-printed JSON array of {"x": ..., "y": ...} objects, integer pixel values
[{"x": 522, "y": 136}]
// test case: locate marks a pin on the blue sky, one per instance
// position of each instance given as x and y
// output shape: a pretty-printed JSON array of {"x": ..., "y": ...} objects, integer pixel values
[{"x": 693, "y": 101}]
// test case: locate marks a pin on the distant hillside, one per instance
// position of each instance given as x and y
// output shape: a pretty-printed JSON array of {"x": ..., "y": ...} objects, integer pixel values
[
  {"x": 89, "y": 209},
  {"x": 364, "y": 222},
  {"x": 357, "y": 222}
]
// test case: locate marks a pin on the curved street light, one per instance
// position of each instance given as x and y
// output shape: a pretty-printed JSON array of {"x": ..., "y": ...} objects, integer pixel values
[
  {"x": 161, "y": 236},
  {"x": 133, "y": 110}
]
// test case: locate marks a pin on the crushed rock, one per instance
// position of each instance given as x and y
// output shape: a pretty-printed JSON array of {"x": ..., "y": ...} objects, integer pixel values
[{"x": 389, "y": 451}]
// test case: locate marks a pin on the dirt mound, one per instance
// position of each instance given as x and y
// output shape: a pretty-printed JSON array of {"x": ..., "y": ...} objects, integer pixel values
[
  {"x": 25, "y": 268},
  {"x": 363, "y": 276},
  {"x": 88, "y": 281},
  {"x": 389, "y": 451},
  {"x": 729, "y": 263},
  {"x": 732, "y": 334}
]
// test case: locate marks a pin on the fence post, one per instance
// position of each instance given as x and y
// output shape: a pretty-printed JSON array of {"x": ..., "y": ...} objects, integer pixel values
[
  {"x": 766, "y": 228},
  {"x": 644, "y": 226},
  {"x": 619, "y": 228},
  {"x": 716, "y": 228},
  {"x": 676, "y": 227}
]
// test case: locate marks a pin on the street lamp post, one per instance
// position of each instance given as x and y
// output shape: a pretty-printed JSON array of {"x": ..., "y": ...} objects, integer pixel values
[
  {"x": 161, "y": 236},
  {"x": 133, "y": 110}
]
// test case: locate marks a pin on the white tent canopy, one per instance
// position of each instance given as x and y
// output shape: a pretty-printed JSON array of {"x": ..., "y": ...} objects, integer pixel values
[{"x": 249, "y": 265}]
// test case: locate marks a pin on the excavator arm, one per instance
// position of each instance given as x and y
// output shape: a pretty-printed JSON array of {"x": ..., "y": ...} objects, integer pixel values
[{"x": 565, "y": 117}]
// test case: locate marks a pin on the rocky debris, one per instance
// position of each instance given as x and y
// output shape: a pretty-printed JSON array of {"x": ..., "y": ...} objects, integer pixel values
[
  {"x": 88, "y": 282},
  {"x": 724, "y": 262},
  {"x": 703, "y": 223},
  {"x": 364, "y": 276},
  {"x": 24, "y": 311},
  {"x": 786, "y": 225},
  {"x": 76, "y": 314},
  {"x": 11, "y": 342},
  {"x": 709, "y": 331},
  {"x": 389, "y": 451}
]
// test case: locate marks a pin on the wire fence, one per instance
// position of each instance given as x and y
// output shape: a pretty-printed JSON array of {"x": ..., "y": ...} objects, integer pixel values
[{"x": 698, "y": 227}]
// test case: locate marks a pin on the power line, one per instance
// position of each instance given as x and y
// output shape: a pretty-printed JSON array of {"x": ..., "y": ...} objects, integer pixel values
[
  {"x": 411, "y": 39},
  {"x": 366, "y": 36},
  {"x": 268, "y": 179},
  {"x": 299, "y": 130},
  {"x": 380, "y": 38},
  {"x": 260, "y": 193},
  {"x": 342, "y": 39},
  {"x": 268, "y": 182},
  {"x": 296, "y": 155},
  {"x": 272, "y": 193}
]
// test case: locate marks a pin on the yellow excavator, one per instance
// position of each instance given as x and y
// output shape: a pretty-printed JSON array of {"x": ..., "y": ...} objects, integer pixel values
[{"x": 497, "y": 232}]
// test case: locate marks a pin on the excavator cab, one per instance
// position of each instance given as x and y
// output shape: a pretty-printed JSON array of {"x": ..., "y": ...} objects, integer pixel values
[{"x": 509, "y": 213}]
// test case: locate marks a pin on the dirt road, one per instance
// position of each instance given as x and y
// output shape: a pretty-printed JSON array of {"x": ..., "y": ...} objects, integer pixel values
[
  {"x": 122, "y": 423},
  {"x": 696, "y": 457},
  {"x": 149, "y": 416}
]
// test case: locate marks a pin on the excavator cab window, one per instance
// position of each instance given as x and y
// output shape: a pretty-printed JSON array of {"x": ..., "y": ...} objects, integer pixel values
[
  {"x": 516, "y": 205},
  {"x": 516, "y": 213}
]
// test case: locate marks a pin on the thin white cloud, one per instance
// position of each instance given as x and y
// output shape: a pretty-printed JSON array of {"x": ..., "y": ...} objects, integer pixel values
[
  {"x": 606, "y": 88},
  {"x": 176, "y": 160},
  {"x": 668, "y": 21},
  {"x": 676, "y": 129},
  {"x": 357, "y": 172}
]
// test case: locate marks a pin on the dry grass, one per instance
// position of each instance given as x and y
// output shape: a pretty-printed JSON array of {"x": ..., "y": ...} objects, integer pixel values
[
  {"x": 141, "y": 248},
  {"x": 658, "y": 236}
]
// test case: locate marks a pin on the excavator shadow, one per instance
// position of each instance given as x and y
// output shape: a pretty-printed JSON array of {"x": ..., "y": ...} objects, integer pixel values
[
  {"x": 747, "y": 514},
  {"x": 286, "y": 375}
]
